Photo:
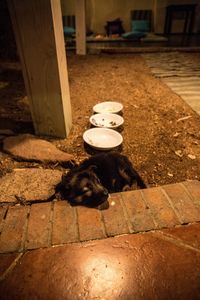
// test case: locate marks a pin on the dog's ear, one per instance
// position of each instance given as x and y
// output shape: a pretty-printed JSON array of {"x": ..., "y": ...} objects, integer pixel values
[
  {"x": 65, "y": 178},
  {"x": 65, "y": 182},
  {"x": 63, "y": 188},
  {"x": 92, "y": 168},
  {"x": 67, "y": 187}
]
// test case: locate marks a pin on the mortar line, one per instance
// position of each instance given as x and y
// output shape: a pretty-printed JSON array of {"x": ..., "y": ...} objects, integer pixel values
[
  {"x": 151, "y": 213},
  {"x": 25, "y": 230},
  {"x": 4, "y": 220},
  {"x": 76, "y": 222},
  {"x": 176, "y": 241},
  {"x": 6, "y": 212},
  {"x": 11, "y": 267},
  {"x": 126, "y": 215},
  {"x": 190, "y": 196},
  {"x": 50, "y": 229},
  {"x": 102, "y": 223},
  {"x": 175, "y": 210}
]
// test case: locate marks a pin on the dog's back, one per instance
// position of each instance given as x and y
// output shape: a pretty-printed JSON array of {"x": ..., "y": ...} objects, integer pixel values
[
  {"x": 114, "y": 170},
  {"x": 91, "y": 181}
]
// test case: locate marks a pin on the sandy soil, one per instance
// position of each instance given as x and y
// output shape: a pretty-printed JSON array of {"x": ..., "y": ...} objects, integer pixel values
[{"x": 156, "y": 140}]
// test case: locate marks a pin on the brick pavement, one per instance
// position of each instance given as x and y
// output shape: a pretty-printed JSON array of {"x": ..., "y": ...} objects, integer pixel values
[{"x": 56, "y": 223}]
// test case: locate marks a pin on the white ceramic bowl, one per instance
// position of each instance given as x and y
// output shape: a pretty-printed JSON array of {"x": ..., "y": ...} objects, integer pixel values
[
  {"x": 108, "y": 107},
  {"x": 106, "y": 120},
  {"x": 102, "y": 138}
]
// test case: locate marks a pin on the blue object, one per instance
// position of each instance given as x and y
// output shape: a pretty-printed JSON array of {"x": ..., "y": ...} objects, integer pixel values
[
  {"x": 133, "y": 35},
  {"x": 68, "y": 30},
  {"x": 139, "y": 30},
  {"x": 140, "y": 25}
]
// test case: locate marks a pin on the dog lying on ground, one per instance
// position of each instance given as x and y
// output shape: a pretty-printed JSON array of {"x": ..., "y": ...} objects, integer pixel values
[{"x": 91, "y": 182}]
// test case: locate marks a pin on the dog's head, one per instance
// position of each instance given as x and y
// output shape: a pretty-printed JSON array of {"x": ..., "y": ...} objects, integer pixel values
[{"x": 83, "y": 188}]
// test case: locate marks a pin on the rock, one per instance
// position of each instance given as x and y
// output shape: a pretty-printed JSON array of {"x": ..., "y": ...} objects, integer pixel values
[
  {"x": 179, "y": 153},
  {"x": 170, "y": 174},
  {"x": 176, "y": 134},
  {"x": 184, "y": 118},
  {"x": 28, "y": 147},
  {"x": 29, "y": 185},
  {"x": 191, "y": 156}
]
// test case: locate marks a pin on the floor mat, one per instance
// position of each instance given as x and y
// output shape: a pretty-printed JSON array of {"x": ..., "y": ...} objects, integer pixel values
[{"x": 180, "y": 73}]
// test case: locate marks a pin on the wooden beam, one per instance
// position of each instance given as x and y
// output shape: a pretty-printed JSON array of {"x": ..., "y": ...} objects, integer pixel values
[
  {"x": 80, "y": 27},
  {"x": 40, "y": 40}
]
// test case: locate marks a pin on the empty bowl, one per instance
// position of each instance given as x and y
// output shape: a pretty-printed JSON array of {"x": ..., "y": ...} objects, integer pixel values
[
  {"x": 102, "y": 138},
  {"x": 108, "y": 107}
]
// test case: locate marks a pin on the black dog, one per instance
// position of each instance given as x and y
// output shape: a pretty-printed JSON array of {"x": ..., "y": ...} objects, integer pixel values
[{"x": 90, "y": 183}]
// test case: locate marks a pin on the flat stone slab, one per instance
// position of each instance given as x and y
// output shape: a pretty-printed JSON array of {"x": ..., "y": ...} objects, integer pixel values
[
  {"x": 28, "y": 147},
  {"x": 28, "y": 185}
]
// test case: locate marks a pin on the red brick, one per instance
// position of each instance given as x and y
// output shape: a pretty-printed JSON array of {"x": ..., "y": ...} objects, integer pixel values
[
  {"x": 65, "y": 227},
  {"x": 182, "y": 203},
  {"x": 193, "y": 187},
  {"x": 12, "y": 235},
  {"x": 39, "y": 226},
  {"x": 90, "y": 224},
  {"x": 160, "y": 207},
  {"x": 138, "y": 212},
  {"x": 114, "y": 219}
]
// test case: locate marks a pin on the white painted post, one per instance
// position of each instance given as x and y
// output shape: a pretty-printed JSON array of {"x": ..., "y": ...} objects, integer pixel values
[
  {"x": 80, "y": 27},
  {"x": 40, "y": 40}
]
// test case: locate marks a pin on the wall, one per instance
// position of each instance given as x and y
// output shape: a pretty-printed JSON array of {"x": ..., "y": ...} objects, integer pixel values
[
  {"x": 111, "y": 9},
  {"x": 100, "y": 11},
  {"x": 161, "y": 9},
  {"x": 68, "y": 7}
]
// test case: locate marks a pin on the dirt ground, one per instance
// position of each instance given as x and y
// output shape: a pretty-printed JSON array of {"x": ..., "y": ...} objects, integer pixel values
[{"x": 156, "y": 138}]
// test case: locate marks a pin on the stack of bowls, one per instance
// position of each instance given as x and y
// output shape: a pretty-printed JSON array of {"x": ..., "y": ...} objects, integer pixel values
[{"x": 105, "y": 119}]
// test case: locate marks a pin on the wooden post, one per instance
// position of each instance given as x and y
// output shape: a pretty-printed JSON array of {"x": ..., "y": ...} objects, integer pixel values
[
  {"x": 80, "y": 27},
  {"x": 40, "y": 40}
]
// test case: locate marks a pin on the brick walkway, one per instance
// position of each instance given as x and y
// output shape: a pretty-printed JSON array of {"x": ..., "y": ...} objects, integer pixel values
[{"x": 57, "y": 223}]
